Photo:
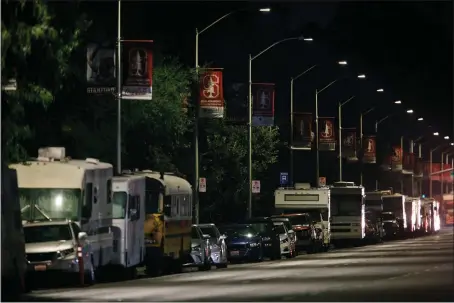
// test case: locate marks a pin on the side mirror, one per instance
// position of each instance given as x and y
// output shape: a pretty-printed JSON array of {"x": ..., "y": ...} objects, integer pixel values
[{"x": 82, "y": 236}]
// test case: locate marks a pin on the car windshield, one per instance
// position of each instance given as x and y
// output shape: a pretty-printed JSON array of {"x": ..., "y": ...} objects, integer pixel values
[
  {"x": 238, "y": 230},
  {"x": 279, "y": 229},
  {"x": 47, "y": 233},
  {"x": 299, "y": 220},
  {"x": 210, "y": 231},
  {"x": 388, "y": 217},
  {"x": 260, "y": 227},
  {"x": 49, "y": 203}
]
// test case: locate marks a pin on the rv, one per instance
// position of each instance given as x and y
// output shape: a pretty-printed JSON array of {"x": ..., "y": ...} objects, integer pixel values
[
  {"x": 128, "y": 217},
  {"x": 413, "y": 214},
  {"x": 348, "y": 218},
  {"x": 14, "y": 263},
  {"x": 374, "y": 210},
  {"x": 301, "y": 202},
  {"x": 431, "y": 215},
  {"x": 56, "y": 188},
  {"x": 168, "y": 221},
  {"x": 394, "y": 213}
]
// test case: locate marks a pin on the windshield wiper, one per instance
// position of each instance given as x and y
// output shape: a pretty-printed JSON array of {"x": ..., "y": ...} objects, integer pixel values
[{"x": 43, "y": 213}]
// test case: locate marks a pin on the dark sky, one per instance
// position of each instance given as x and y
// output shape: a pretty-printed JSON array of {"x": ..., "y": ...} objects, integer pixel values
[{"x": 403, "y": 47}]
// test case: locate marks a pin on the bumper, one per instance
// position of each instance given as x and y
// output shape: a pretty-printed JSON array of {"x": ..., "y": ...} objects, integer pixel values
[
  {"x": 63, "y": 266},
  {"x": 353, "y": 235},
  {"x": 251, "y": 253}
]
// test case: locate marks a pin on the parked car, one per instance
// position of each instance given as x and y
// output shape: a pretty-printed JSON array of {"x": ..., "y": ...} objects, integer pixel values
[
  {"x": 218, "y": 246},
  {"x": 309, "y": 238},
  {"x": 291, "y": 233},
  {"x": 270, "y": 239},
  {"x": 200, "y": 248},
  {"x": 244, "y": 243},
  {"x": 286, "y": 244}
]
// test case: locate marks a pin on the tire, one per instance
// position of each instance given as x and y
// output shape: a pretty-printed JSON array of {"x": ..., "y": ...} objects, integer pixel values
[{"x": 223, "y": 265}]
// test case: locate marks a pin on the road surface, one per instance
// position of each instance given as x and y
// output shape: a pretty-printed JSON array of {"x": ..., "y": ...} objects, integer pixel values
[{"x": 418, "y": 269}]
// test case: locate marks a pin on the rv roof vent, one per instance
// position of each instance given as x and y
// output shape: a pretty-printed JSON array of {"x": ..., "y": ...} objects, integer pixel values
[
  {"x": 302, "y": 186},
  {"x": 92, "y": 161},
  {"x": 57, "y": 153},
  {"x": 343, "y": 184}
]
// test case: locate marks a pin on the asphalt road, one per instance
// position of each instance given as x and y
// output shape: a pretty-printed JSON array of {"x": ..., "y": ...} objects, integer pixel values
[{"x": 414, "y": 270}]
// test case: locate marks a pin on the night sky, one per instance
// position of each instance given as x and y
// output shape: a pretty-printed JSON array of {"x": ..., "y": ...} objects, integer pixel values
[{"x": 404, "y": 48}]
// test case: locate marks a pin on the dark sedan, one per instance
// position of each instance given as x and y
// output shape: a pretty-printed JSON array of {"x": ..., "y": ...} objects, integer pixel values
[
  {"x": 270, "y": 239},
  {"x": 243, "y": 243}
]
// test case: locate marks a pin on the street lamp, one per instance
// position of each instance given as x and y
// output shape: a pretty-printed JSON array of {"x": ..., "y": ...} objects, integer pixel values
[
  {"x": 409, "y": 111},
  {"x": 318, "y": 91},
  {"x": 420, "y": 119},
  {"x": 196, "y": 115},
  {"x": 397, "y": 102},
  {"x": 292, "y": 121},
  {"x": 446, "y": 137},
  {"x": 252, "y": 58},
  {"x": 436, "y": 133},
  {"x": 265, "y": 10},
  {"x": 380, "y": 90},
  {"x": 362, "y": 76}
]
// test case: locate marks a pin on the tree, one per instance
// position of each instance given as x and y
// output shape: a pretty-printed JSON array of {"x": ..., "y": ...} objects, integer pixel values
[{"x": 38, "y": 44}]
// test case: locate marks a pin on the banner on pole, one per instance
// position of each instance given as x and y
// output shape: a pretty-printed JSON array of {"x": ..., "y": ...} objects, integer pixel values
[
  {"x": 263, "y": 104},
  {"x": 256, "y": 186},
  {"x": 349, "y": 144},
  {"x": 211, "y": 93},
  {"x": 303, "y": 136},
  {"x": 202, "y": 185},
  {"x": 408, "y": 163},
  {"x": 369, "y": 150},
  {"x": 327, "y": 135},
  {"x": 138, "y": 71},
  {"x": 101, "y": 74},
  {"x": 396, "y": 159}
]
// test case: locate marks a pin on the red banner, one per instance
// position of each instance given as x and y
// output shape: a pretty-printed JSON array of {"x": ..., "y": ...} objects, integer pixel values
[
  {"x": 369, "y": 149},
  {"x": 211, "y": 93},
  {"x": 436, "y": 167},
  {"x": 396, "y": 158},
  {"x": 263, "y": 104},
  {"x": 138, "y": 74},
  {"x": 326, "y": 134},
  {"x": 349, "y": 144},
  {"x": 302, "y": 130}
]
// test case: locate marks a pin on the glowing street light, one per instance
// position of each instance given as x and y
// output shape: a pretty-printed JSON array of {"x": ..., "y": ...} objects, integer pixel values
[
  {"x": 380, "y": 90},
  {"x": 420, "y": 119},
  {"x": 362, "y": 76},
  {"x": 308, "y": 39},
  {"x": 409, "y": 111},
  {"x": 342, "y": 62},
  {"x": 446, "y": 137},
  {"x": 397, "y": 102},
  {"x": 265, "y": 10},
  {"x": 436, "y": 133},
  {"x": 452, "y": 143}
]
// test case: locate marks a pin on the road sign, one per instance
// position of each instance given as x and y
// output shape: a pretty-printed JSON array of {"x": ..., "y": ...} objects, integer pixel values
[
  {"x": 202, "y": 185},
  {"x": 284, "y": 178},
  {"x": 322, "y": 181},
  {"x": 256, "y": 186}
]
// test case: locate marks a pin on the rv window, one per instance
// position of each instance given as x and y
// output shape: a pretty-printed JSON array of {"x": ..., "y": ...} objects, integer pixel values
[
  {"x": 294, "y": 197},
  {"x": 175, "y": 206},
  {"x": 134, "y": 203},
  {"x": 119, "y": 205},
  {"x": 168, "y": 206},
  {"x": 152, "y": 202},
  {"x": 346, "y": 205},
  {"x": 109, "y": 191}
]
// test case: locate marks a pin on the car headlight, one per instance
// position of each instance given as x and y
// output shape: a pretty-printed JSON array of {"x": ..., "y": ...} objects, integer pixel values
[
  {"x": 253, "y": 244},
  {"x": 266, "y": 239}
]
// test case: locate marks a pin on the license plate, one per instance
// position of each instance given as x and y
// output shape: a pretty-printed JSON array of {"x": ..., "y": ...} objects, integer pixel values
[
  {"x": 234, "y": 253},
  {"x": 40, "y": 267}
]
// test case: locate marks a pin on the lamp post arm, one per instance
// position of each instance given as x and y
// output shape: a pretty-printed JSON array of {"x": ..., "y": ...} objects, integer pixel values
[
  {"x": 346, "y": 101},
  {"x": 320, "y": 90},
  {"x": 217, "y": 21},
  {"x": 273, "y": 45},
  {"x": 306, "y": 71},
  {"x": 368, "y": 111}
]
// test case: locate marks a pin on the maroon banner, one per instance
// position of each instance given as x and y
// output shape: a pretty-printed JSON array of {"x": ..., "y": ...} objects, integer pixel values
[
  {"x": 349, "y": 144},
  {"x": 101, "y": 66},
  {"x": 302, "y": 130},
  {"x": 211, "y": 93},
  {"x": 326, "y": 134},
  {"x": 138, "y": 73},
  {"x": 396, "y": 158},
  {"x": 369, "y": 149},
  {"x": 263, "y": 104}
]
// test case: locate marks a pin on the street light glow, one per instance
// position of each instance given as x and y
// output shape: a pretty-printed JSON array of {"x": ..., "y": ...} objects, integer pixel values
[
  {"x": 436, "y": 133},
  {"x": 362, "y": 76},
  {"x": 452, "y": 143},
  {"x": 397, "y": 102},
  {"x": 265, "y": 10},
  {"x": 342, "y": 62},
  {"x": 410, "y": 111},
  {"x": 420, "y": 119},
  {"x": 308, "y": 39},
  {"x": 380, "y": 90},
  {"x": 446, "y": 137}
]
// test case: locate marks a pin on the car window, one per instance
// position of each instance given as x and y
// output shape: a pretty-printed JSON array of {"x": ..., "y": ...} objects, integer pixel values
[
  {"x": 280, "y": 229},
  {"x": 209, "y": 230},
  {"x": 195, "y": 233},
  {"x": 261, "y": 227}
]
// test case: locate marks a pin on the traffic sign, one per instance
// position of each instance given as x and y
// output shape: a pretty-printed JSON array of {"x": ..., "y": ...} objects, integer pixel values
[
  {"x": 256, "y": 186},
  {"x": 202, "y": 185},
  {"x": 284, "y": 178},
  {"x": 322, "y": 181}
]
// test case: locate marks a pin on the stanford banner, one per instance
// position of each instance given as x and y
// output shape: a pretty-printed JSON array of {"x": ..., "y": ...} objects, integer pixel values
[
  {"x": 396, "y": 159},
  {"x": 101, "y": 68},
  {"x": 138, "y": 70},
  {"x": 349, "y": 144},
  {"x": 326, "y": 135},
  {"x": 369, "y": 149},
  {"x": 211, "y": 93},
  {"x": 263, "y": 104},
  {"x": 302, "y": 130}
]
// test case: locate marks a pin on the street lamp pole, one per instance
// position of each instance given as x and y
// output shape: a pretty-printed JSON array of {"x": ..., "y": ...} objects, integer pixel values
[
  {"x": 292, "y": 122},
  {"x": 340, "y": 134},
  {"x": 430, "y": 168},
  {"x": 252, "y": 58},
  {"x": 119, "y": 95},
  {"x": 361, "y": 139}
]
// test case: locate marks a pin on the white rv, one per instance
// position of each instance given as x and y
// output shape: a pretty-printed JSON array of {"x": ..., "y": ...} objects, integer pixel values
[
  {"x": 56, "y": 188},
  {"x": 347, "y": 212},
  {"x": 14, "y": 263},
  {"x": 303, "y": 199},
  {"x": 413, "y": 213},
  {"x": 394, "y": 210},
  {"x": 128, "y": 222}
]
